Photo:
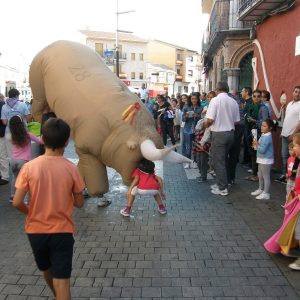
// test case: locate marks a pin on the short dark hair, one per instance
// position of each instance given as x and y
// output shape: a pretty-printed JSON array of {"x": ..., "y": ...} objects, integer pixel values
[
  {"x": 222, "y": 86},
  {"x": 248, "y": 89},
  {"x": 146, "y": 166},
  {"x": 297, "y": 87},
  {"x": 13, "y": 93},
  {"x": 267, "y": 94},
  {"x": 271, "y": 124},
  {"x": 55, "y": 133},
  {"x": 256, "y": 92},
  {"x": 175, "y": 100}
]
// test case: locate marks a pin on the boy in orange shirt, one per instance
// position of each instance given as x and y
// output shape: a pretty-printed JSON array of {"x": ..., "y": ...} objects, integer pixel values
[{"x": 55, "y": 187}]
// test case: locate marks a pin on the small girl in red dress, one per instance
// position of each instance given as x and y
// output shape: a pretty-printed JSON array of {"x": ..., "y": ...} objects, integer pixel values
[{"x": 145, "y": 182}]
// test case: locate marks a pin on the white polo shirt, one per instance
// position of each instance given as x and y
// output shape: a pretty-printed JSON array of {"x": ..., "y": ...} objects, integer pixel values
[
  {"x": 224, "y": 111},
  {"x": 143, "y": 93},
  {"x": 291, "y": 119}
]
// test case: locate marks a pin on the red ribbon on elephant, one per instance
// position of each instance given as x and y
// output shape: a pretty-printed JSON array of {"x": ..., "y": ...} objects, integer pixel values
[{"x": 130, "y": 113}]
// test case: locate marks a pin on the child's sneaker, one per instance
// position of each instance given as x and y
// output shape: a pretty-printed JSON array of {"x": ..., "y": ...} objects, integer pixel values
[
  {"x": 125, "y": 212},
  {"x": 162, "y": 210},
  {"x": 295, "y": 265},
  {"x": 263, "y": 196},
  {"x": 214, "y": 187},
  {"x": 257, "y": 192},
  {"x": 220, "y": 192}
]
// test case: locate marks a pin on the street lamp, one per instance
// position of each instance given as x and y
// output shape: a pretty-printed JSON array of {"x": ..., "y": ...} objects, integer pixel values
[{"x": 117, "y": 36}]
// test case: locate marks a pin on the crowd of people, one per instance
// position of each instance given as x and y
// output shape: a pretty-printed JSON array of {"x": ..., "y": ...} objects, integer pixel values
[{"x": 211, "y": 128}]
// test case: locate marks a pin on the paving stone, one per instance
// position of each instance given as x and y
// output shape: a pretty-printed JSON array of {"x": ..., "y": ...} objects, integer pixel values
[
  {"x": 191, "y": 292},
  {"x": 151, "y": 292},
  {"x": 33, "y": 290},
  {"x": 13, "y": 289},
  {"x": 111, "y": 292},
  {"x": 122, "y": 282},
  {"x": 131, "y": 292},
  {"x": 171, "y": 292},
  {"x": 84, "y": 281}
]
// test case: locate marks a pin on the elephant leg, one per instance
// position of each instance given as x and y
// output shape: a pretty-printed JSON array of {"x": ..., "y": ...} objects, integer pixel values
[{"x": 94, "y": 174}]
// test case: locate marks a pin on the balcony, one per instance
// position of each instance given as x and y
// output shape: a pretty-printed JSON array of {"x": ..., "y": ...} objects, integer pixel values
[
  {"x": 254, "y": 10},
  {"x": 223, "y": 23},
  {"x": 179, "y": 62}
]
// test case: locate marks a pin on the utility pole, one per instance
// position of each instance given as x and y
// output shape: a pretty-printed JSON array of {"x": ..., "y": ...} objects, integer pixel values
[{"x": 117, "y": 37}]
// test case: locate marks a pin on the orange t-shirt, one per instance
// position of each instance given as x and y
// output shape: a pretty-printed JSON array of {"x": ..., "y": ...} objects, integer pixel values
[{"x": 51, "y": 182}]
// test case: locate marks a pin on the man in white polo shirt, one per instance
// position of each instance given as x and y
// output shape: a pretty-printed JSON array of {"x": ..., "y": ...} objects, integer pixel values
[
  {"x": 143, "y": 93},
  {"x": 291, "y": 125},
  {"x": 222, "y": 115}
]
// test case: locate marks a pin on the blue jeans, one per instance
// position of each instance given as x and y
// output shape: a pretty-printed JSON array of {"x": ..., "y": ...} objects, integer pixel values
[
  {"x": 284, "y": 153},
  {"x": 186, "y": 148}
]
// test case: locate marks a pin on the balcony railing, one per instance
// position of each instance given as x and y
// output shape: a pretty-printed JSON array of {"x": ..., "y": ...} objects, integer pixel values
[
  {"x": 179, "y": 62},
  {"x": 178, "y": 77},
  {"x": 253, "y": 10},
  {"x": 223, "y": 23}
]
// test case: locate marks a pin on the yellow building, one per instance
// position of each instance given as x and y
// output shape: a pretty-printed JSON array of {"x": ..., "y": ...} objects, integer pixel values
[{"x": 183, "y": 61}]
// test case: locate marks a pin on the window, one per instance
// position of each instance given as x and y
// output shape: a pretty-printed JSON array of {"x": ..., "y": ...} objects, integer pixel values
[
  {"x": 141, "y": 56},
  {"x": 178, "y": 56},
  {"x": 193, "y": 89},
  {"x": 141, "y": 76},
  {"x": 99, "y": 48},
  {"x": 179, "y": 89},
  {"x": 190, "y": 73},
  {"x": 191, "y": 58},
  {"x": 178, "y": 72},
  {"x": 132, "y": 75},
  {"x": 186, "y": 89},
  {"x": 132, "y": 56}
]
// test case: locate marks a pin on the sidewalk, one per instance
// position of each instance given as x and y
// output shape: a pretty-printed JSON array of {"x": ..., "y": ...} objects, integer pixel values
[{"x": 206, "y": 247}]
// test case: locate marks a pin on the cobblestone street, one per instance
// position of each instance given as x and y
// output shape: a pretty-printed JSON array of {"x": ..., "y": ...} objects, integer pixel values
[{"x": 206, "y": 247}]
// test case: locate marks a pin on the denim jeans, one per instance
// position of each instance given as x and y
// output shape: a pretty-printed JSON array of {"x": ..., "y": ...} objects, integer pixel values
[
  {"x": 15, "y": 166},
  {"x": 186, "y": 148}
]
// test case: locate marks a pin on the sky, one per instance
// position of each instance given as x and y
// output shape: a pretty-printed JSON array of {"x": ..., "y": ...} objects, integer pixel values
[{"x": 27, "y": 26}]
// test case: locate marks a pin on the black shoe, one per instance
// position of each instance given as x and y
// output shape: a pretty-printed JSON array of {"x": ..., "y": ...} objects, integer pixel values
[
  {"x": 3, "y": 181},
  {"x": 281, "y": 179}
]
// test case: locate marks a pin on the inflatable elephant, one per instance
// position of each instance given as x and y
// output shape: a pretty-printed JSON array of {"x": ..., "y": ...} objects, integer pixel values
[{"x": 109, "y": 124}]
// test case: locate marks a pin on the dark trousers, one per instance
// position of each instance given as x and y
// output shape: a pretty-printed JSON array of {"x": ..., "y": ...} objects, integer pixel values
[
  {"x": 202, "y": 162},
  {"x": 221, "y": 143},
  {"x": 167, "y": 129},
  {"x": 234, "y": 152},
  {"x": 246, "y": 156}
]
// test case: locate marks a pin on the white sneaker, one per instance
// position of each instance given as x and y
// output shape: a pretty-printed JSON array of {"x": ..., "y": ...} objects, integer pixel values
[
  {"x": 263, "y": 196},
  {"x": 257, "y": 192},
  {"x": 194, "y": 165},
  {"x": 214, "y": 187},
  {"x": 220, "y": 192},
  {"x": 295, "y": 265},
  {"x": 186, "y": 166}
]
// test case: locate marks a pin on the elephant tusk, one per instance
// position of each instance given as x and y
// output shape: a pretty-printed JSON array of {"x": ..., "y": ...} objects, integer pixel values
[
  {"x": 176, "y": 158},
  {"x": 150, "y": 152}
]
